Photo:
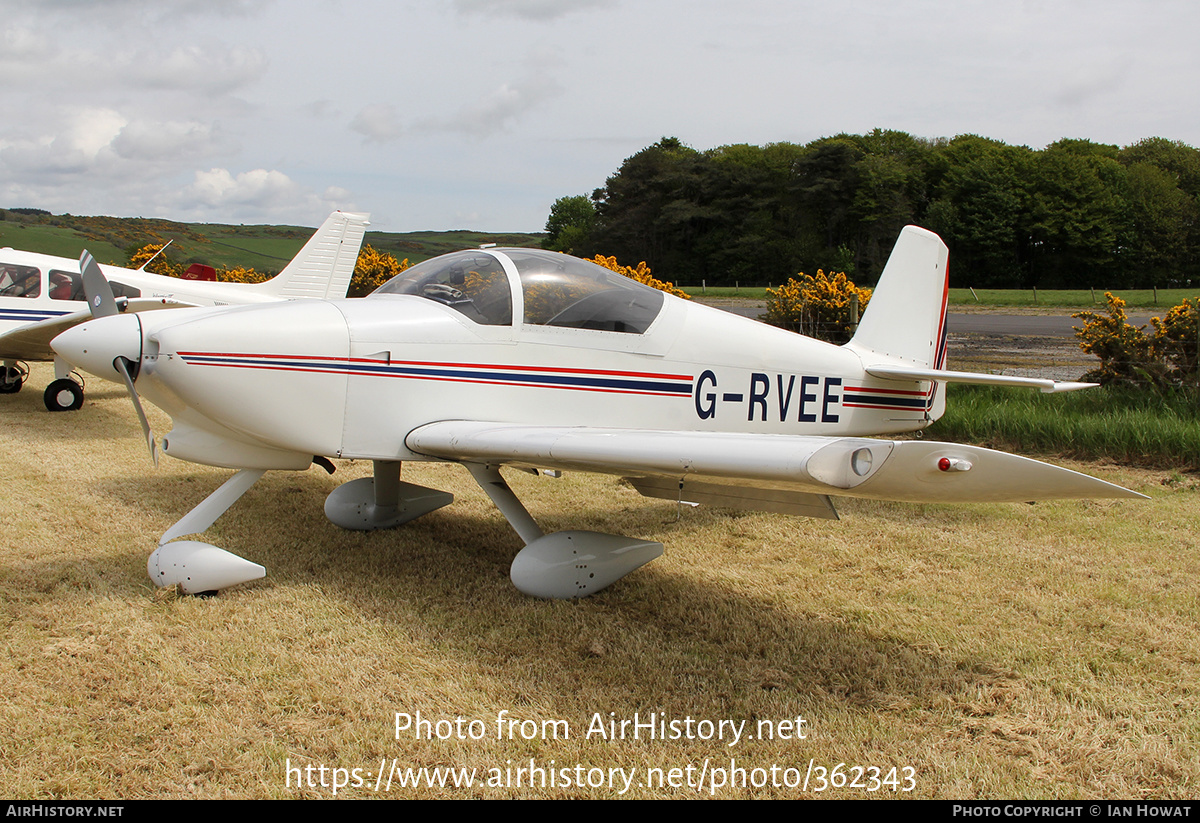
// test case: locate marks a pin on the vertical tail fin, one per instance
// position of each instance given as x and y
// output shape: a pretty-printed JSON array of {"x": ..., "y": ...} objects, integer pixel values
[
  {"x": 324, "y": 266},
  {"x": 902, "y": 336},
  {"x": 905, "y": 322}
]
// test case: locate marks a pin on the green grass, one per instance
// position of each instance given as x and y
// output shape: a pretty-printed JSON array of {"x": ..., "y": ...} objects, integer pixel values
[
  {"x": 266, "y": 248},
  {"x": 417, "y": 246},
  {"x": 1073, "y": 299},
  {"x": 1002, "y": 651},
  {"x": 56, "y": 240},
  {"x": 750, "y": 292},
  {"x": 1070, "y": 298},
  {"x": 1131, "y": 427}
]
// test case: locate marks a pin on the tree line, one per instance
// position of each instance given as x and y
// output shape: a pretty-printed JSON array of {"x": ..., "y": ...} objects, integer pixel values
[{"x": 1075, "y": 214}]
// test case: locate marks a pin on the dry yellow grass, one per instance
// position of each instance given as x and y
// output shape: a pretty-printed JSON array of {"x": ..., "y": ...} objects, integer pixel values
[{"x": 1047, "y": 651}]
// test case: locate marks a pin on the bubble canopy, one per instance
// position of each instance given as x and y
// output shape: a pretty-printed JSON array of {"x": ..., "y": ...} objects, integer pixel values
[{"x": 556, "y": 290}]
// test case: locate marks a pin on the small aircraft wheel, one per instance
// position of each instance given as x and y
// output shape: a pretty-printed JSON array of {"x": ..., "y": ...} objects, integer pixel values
[
  {"x": 63, "y": 395},
  {"x": 12, "y": 380}
]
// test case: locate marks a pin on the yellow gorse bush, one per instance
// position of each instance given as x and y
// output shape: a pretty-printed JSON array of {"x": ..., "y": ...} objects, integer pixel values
[
  {"x": 640, "y": 273},
  {"x": 1129, "y": 355},
  {"x": 159, "y": 265},
  {"x": 165, "y": 266},
  {"x": 817, "y": 305},
  {"x": 373, "y": 269},
  {"x": 242, "y": 274}
]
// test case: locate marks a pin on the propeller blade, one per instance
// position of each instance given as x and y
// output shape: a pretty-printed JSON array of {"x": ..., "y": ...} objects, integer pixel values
[
  {"x": 122, "y": 365},
  {"x": 100, "y": 298},
  {"x": 101, "y": 303}
]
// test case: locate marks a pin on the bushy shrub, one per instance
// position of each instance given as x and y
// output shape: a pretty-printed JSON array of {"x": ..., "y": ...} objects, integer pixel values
[
  {"x": 640, "y": 273},
  {"x": 373, "y": 269},
  {"x": 1128, "y": 355},
  {"x": 817, "y": 305},
  {"x": 242, "y": 274},
  {"x": 158, "y": 265}
]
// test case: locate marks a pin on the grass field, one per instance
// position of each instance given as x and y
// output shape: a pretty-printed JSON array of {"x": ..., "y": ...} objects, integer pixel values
[
  {"x": 266, "y": 248},
  {"x": 54, "y": 240},
  {"x": 1000, "y": 651},
  {"x": 1069, "y": 299},
  {"x": 1128, "y": 426},
  {"x": 1081, "y": 299}
]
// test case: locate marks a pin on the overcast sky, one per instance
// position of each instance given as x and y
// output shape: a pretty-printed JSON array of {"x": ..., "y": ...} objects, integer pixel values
[{"x": 445, "y": 114}]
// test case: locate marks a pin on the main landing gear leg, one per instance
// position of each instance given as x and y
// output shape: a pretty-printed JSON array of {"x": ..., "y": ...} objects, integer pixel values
[
  {"x": 200, "y": 568},
  {"x": 563, "y": 565},
  {"x": 382, "y": 501}
]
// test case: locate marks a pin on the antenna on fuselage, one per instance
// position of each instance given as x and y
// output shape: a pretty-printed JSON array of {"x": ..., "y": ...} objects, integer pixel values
[{"x": 156, "y": 254}]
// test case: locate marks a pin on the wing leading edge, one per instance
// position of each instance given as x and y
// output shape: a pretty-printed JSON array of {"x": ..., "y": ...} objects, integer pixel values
[
  {"x": 794, "y": 474},
  {"x": 32, "y": 342}
]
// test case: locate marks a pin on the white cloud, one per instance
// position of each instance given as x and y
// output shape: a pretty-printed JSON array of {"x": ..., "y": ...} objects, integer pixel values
[
  {"x": 169, "y": 141},
  {"x": 499, "y": 109},
  {"x": 529, "y": 9},
  {"x": 82, "y": 144},
  {"x": 23, "y": 45},
  {"x": 148, "y": 12},
  {"x": 103, "y": 143},
  {"x": 254, "y": 193},
  {"x": 207, "y": 70},
  {"x": 377, "y": 122},
  {"x": 217, "y": 187}
]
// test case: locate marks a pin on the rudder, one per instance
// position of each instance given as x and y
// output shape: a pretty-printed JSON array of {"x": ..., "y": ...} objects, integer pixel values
[{"x": 905, "y": 322}]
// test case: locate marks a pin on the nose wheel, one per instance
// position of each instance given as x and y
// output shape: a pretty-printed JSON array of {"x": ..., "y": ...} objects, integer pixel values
[{"x": 63, "y": 395}]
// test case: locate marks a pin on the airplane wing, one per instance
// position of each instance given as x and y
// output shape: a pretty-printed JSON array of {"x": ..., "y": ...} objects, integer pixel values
[
  {"x": 782, "y": 473},
  {"x": 32, "y": 342}
]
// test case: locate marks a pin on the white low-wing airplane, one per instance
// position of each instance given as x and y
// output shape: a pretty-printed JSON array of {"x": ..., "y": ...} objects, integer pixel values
[
  {"x": 37, "y": 293},
  {"x": 527, "y": 358}
]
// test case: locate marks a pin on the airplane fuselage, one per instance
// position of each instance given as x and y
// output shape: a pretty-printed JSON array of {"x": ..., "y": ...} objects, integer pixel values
[{"x": 352, "y": 378}]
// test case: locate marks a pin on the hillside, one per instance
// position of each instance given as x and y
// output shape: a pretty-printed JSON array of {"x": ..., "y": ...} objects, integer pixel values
[{"x": 266, "y": 248}]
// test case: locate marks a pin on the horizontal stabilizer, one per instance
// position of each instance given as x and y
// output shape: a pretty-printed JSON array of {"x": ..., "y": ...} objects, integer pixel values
[{"x": 906, "y": 373}]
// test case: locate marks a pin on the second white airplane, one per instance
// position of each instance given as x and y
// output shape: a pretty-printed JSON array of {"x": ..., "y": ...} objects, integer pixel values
[{"x": 41, "y": 296}]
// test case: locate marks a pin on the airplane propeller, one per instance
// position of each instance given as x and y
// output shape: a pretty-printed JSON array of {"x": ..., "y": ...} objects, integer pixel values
[{"x": 101, "y": 303}]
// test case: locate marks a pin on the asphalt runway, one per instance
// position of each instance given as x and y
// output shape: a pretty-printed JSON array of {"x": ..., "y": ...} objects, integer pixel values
[{"x": 1022, "y": 325}]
